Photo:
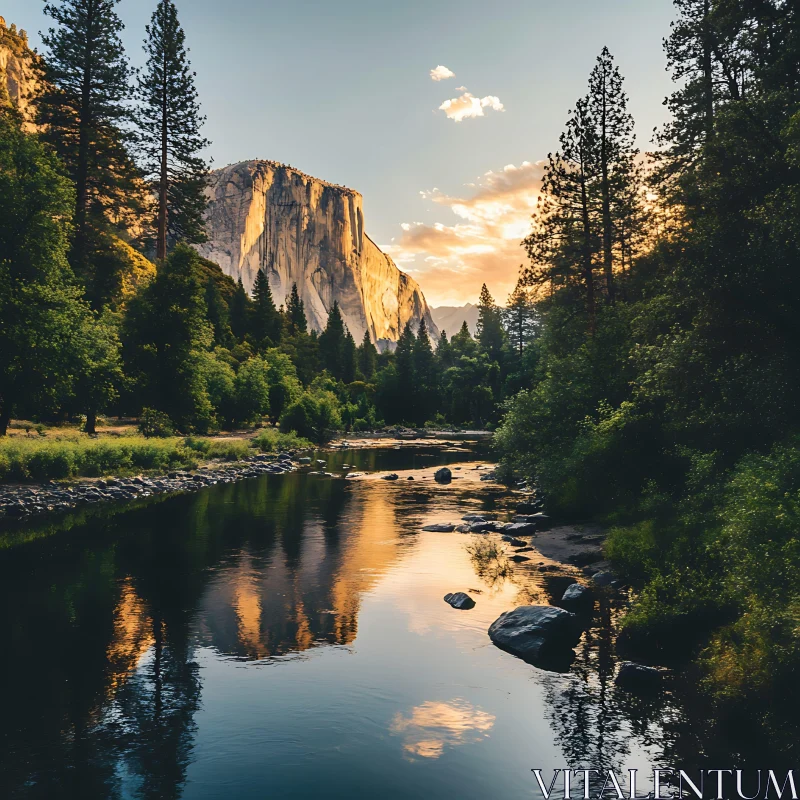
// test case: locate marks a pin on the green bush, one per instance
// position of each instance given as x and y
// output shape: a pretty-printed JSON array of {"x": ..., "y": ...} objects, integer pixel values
[
  {"x": 271, "y": 440},
  {"x": 154, "y": 423}
]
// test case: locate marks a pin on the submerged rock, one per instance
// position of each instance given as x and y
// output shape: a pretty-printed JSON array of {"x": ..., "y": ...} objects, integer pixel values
[
  {"x": 604, "y": 579},
  {"x": 514, "y": 542},
  {"x": 638, "y": 677},
  {"x": 540, "y": 635},
  {"x": 391, "y": 477},
  {"x": 459, "y": 600},
  {"x": 440, "y": 527}
]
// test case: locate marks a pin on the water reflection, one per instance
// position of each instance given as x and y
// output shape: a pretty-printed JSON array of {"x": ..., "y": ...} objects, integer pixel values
[
  {"x": 431, "y": 727},
  {"x": 136, "y": 645}
]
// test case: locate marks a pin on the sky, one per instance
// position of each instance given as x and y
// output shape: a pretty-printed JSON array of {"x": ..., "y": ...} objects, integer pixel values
[{"x": 439, "y": 112}]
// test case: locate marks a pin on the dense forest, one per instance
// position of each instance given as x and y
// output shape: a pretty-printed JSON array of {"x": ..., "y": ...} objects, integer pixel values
[{"x": 644, "y": 371}]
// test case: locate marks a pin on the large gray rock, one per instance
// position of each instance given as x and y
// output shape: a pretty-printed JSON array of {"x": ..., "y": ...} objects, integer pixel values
[
  {"x": 459, "y": 600},
  {"x": 537, "y": 634}
]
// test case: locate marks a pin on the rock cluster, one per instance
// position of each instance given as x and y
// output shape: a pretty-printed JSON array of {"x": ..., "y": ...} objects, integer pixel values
[{"x": 17, "y": 502}]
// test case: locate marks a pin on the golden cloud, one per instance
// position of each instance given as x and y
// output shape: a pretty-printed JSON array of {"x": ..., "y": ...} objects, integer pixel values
[
  {"x": 482, "y": 243},
  {"x": 431, "y": 726},
  {"x": 467, "y": 106}
]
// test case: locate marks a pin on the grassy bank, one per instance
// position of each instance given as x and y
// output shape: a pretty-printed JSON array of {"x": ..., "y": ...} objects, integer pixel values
[{"x": 74, "y": 456}]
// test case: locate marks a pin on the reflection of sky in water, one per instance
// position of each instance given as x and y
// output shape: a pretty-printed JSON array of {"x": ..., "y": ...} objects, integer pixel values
[{"x": 431, "y": 726}]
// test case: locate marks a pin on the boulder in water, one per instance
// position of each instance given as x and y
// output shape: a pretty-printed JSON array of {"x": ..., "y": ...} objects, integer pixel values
[
  {"x": 540, "y": 635},
  {"x": 459, "y": 600},
  {"x": 443, "y": 475}
]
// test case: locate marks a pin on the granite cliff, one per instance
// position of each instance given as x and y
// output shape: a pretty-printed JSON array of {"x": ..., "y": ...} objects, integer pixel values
[
  {"x": 265, "y": 215},
  {"x": 18, "y": 81}
]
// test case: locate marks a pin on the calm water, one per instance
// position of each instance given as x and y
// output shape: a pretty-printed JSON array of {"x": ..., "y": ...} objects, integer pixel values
[{"x": 285, "y": 637}]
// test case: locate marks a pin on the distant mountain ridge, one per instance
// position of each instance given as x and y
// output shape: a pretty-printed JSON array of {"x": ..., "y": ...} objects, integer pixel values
[{"x": 451, "y": 318}]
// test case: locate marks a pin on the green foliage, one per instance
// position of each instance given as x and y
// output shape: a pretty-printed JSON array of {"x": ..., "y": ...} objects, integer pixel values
[
  {"x": 315, "y": 415},
  {"x": 40, "y": 460},
  {"x": 154, "y": 423},
  {"x": 165, "y": 334},
  {"x": 265, "y": 322},
  {"x": 45, "y": 323},
  {"x": 271, "y": 440}
]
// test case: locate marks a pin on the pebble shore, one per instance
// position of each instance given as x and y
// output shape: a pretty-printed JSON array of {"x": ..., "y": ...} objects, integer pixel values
[{"x": 21, "y": 502}]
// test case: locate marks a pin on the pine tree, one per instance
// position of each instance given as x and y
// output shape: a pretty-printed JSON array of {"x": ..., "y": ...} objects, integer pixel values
[
  {"x": 367, "y": 357},
  {"x": 462, "y": 344},
  {"x": 265, "y": 321},
  {"x": 349, "y": 358},
  {"x": 296, "y": 312},
  {"x": 170, "y": 122},
  {"x": 490, "y": 325},
  {"x": 565, "y": 236},
  {"x": 608, "y": 107},
  {"x": 519, "y": 317},
  {"x": 404, "y": 365},
  {"x": 83, "y": 111},
  {"x": 444, "y": 352},
  {"x": 425, "y": 389},
  {"x": 332, "y": 343},
  {"x": 239, "y": 312}
]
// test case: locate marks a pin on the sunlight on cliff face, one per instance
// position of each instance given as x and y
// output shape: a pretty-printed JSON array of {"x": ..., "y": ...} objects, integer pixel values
[{"x": 433, "y": 726}]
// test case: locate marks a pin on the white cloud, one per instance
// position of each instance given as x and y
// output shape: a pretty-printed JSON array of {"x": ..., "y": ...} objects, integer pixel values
[
  {"x": 480, "y": 244},
  {"x": 441, "y": 73},
  {"x": 468, "y": 106}
]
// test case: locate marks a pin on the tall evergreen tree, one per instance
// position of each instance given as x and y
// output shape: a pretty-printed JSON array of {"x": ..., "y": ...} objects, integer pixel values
[
  {"x": 239, "y": 312},
  {"x": 83, "y": 111},
  {"x": 265, "y": 321},
  {"x": 425, "y": 388},
  {"x": 404, "y": 360},
  {"x": 296, "y": 312},
  {"x": 564, "y": 240},
  {"x": 349, "y": 358},
  {"x": 367, "y": 357},
  {"x": 490, "y": 325},
  {"x": 519, "y": 317},
  {"x": 608, "y": 107},
  {"x": 170, "y": 123},
  {"x": 444, "y": 351},
  {"x": 332, "y": 343}
]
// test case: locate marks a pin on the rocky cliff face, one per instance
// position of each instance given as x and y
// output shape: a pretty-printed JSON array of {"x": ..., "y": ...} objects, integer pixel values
[
  {"x": 264, "y": 215},
  {"x": 18, "y": 82}
]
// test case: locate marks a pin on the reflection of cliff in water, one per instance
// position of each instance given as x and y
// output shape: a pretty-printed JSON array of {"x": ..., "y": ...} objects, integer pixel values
[
  {"x": 298, "y": 583},
  {"x": 100, "y": 692}
]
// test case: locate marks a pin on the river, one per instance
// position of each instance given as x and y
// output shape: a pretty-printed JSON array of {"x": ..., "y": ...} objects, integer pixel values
[{"x": 286, "y": 637}]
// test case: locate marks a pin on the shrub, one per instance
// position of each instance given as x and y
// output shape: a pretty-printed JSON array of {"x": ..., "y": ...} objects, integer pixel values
[{"x": 154, "y": 423}]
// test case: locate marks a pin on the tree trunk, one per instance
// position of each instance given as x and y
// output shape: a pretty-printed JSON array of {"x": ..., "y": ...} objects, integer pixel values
[
  {"x": 588, "y": 274},
  {"x": 5, "y": 418},
  {"x": 708, "y": 73},
  {"x": 163, "y": 186},
  {"x": 608, "y": 258},
  {"x": 91, "y": 422},
  {"x": 84, "y": 134}
]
